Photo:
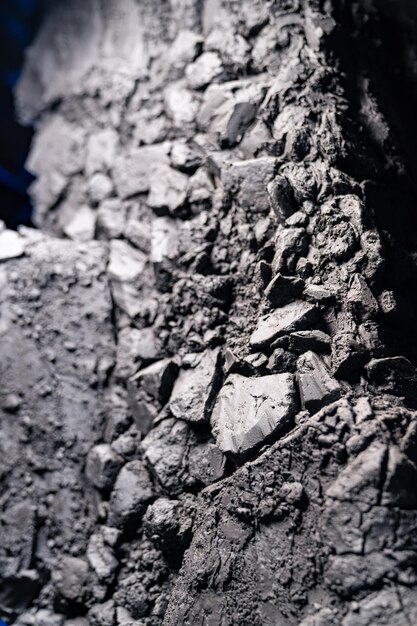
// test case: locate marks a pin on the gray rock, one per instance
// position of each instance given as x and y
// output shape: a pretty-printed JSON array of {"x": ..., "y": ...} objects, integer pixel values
[
  {"x": 126, "y": 263},
  {"x": 283, "y": 289},
  {"x": 296, "y": 315},
  {"x": 248, "y": 180},
  {"x": 101, "y": 558},
  {"x": 165, "y": 449},
  {"x": 317, "y": 387},
  {"x": 185, "y": 47},
  {"x": 186, "y": 156},
  {"x": 195, "y": 388},
  {"x": 157, "y": 380},
  {"x": 100, "y": 151},
  {"x": 81, "y": 225},
  {"x": 168, "y": 189},
  {"x": 281, "y": 197},
  {"x": 131, "y": 171},
  {"x": 204, "y": 70},
  {"x": 180, "y": 104},
  {"x": 100, "y": 187},
  {"x": 249, "y": 410},
  {"x": 71, "y": 578},
  {"x": 12, "y": 245},
  {"x": 314, "y": 340},
  {"x": 131, "y": 495},
  {"x": 102, "y": 466}
]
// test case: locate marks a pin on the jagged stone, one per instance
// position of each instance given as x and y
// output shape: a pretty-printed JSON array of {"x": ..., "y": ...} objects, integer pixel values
[
  {"x": 294, "y": 316},
  {"x": 317, "y": 387},
  {"x": 102, "y": 466},
  {"x": 247, "y": 180},
  {"x": 194, "y": 390},
  {"x": 12, "y": 245},
  {"x": 283, "y": 289},
  {"x": 132, "y": 493},
  {"x": 314, "y": 340},
  {"x": 249, "y": 410}
]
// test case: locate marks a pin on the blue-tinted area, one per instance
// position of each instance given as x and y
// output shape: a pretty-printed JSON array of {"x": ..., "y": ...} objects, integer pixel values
[
  {"x": 2, "y": 623},
  {"x": 18, "y": 23}
]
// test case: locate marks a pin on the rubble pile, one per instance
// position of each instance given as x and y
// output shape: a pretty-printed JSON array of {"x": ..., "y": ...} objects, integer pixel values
[{"x": 208, "y": 382}]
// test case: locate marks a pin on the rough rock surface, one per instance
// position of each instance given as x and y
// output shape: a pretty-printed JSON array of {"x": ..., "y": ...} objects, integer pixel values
[{"x": 208, "y": 415}]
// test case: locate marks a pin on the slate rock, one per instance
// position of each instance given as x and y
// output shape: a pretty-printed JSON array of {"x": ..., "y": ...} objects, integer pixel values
[
  {"x": 248, "y": 179},
  {"x": 244, "y": 114},
  {"x": 102, "y": 466},
  {"x": 314, "y": 340},
  {"x": 297, "y": 315},
  {"x": 283, "y": 289},
  {"x": 250, "y": 410},
  {"x": 167, "y": 189},
  {"x": 317, "y": 387},
  {"x": 195, "y": 388},
  {"x": 157, "y": 380},
  {"x": 165, "y": 448},
  {"x": 131, "y": 171},
  {"x": 281, "y": 197},
  {"x": 394, "y": 375},
  {"x": 131, "y": 495},
  {"x": 126, "y": 263},
  {"x": 82, "y": 224}
]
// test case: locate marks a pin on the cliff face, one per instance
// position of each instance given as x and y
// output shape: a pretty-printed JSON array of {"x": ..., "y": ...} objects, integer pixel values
[{"x": 209, "y": 412}]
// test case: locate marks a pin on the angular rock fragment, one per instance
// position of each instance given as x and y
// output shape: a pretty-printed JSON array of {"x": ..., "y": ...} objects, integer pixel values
[
  {"x": 136, "y": 347},
  {"x": 71, "y": 578},
  {"x": 283, "y": 289},
  {"x": 394, "y": 375},
  {"x": 168, "y": 524},
  {"x": 126, "y": 263},
  {"x": 248, "y": 179},
  {"x": 317, "y": 387},
  {"x": 185, "y": 47},
  {"x": 100, "y": 151},
  {"x": 195, "y": 388},
  {"x": 294, "y": 316},
  {"x": 314, "y": 340},
  {"x": 164, "y": 239},
  {"x": 12, "y": 245},
  {"x": 166, "y": 452},
  {"x": 149, "y": 390},
  {"x": 131, "y": 172},
  {"x": 167, "y": 189},
  {"x": 131, "y": 494},
  {"x": 281, "y": 197},
  {"x": 81, "y": 225},
  {"x": 204, "y": 70},
  {"x": 101, "y": 558},
  {"x": 249, "y": 410},
  {"x": 180, "y": 104},
  {"x": 244, "y": 114},
  {"x": 102, "y": 466}
]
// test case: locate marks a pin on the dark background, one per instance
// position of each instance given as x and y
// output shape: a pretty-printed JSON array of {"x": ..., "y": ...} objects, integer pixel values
[{"x": 19, "y": 20}]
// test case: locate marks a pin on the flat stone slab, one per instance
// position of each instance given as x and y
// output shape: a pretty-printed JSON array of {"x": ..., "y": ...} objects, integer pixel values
[
  {"x": 297, "y": 315},
  {"x": 193, "y": 393},
  {"x": 248, "y": 410}
]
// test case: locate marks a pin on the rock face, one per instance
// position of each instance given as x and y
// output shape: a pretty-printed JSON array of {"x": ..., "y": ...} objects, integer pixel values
[{"x": 208, "y": 364}]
